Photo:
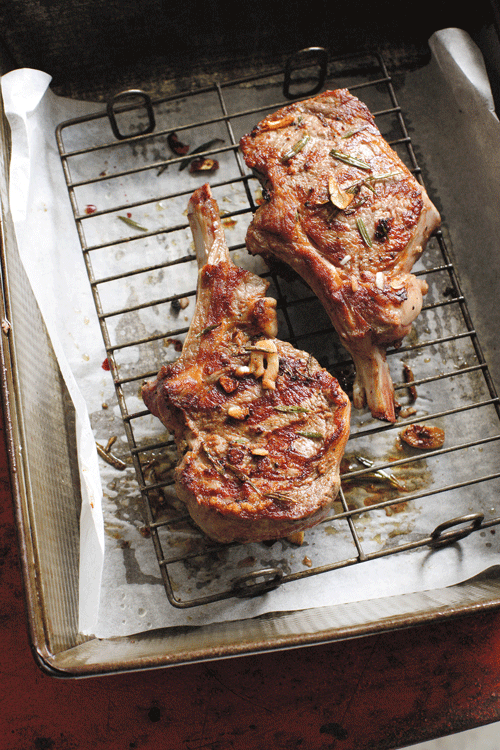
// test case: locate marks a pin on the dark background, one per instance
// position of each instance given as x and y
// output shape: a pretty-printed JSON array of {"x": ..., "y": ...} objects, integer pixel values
[{"x": 94, "y": 46}]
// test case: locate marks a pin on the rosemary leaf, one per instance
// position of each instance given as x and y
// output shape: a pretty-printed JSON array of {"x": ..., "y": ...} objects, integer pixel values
[
  {"x": 363, "y": 231},
  {"x": 296, "y": 148},
  {"x": 279, "y": 497},
  {"x": 311, "y": 435},
  {"x": 386, "y": 176},
  {"x": 214, "y": 460},
  {"x": 207, "y": 329},
  {"x": 347, "y": 159},
  {"x": 381, "y": 473},
  {"x": 370, "y": 180},
  {"x": 244, "y": 478},
  {"x": 132, "y": 223},
  {"x": 288, "y": 409},
  {"x": 350, "y": 133}
]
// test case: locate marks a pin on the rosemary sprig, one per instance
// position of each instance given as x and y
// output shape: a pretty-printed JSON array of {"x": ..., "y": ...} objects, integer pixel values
[
  {"x": 311, "y": 435},
  {"x": 291, "y": 409},
  {"x": 278, "y": 496},
  {"x": 207, "y": 330},
  {"x": 347, "y": 159},
  {"x": 296, "y": 148},
  {"x": 363, "y": 231},
  {"x": 350, "y": 133},
  {"x": 381, "y": 473},
  {"x": 381, "y": 177},
  {"x": 241, "y": 475},
  {"x": 245, "y": 479},
  {"x": 366, "y": 184},
  {"x": 219, "y": 468},
  {"x": 361, "y": 200},
  {"x": 255, "y": 348},
  {"x": 132, "y": 223},
  {"x": 370, "y": 180}
]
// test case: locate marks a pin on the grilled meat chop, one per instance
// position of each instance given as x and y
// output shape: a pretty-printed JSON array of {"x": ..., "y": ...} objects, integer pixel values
[
  {"x": 260, "y": 427},
  {"x": 348, "y": 216}
]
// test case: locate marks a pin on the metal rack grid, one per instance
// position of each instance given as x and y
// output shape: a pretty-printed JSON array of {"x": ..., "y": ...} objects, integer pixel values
[{"x": 132, "y": 134}]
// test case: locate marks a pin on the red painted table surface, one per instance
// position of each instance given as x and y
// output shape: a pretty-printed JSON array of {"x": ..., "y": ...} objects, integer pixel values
[{"x": 375, "y": 693}]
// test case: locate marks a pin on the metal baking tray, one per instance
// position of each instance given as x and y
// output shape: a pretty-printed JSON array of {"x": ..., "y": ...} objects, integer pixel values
[{"x": 443, "y": 358}]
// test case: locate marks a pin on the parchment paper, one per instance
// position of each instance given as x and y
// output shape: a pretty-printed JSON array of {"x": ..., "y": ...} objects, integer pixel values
[{"x": 120, "y": 587}]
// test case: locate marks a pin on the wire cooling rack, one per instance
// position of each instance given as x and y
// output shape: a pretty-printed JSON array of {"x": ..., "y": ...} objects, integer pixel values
[{"x": 129, "y": 191}]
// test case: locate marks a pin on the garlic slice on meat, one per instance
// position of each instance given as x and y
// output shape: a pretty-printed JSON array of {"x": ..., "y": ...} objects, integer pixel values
[
  {"x": 235, "y": 411},
  {"x": 264, "y": 362},
  {"x": 338, "y": 197},
  {"x": 259, "y": 452},
  {"x": 280, "y": 122}
]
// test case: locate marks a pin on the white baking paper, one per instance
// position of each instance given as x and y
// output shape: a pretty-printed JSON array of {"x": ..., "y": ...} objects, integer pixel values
[
  {"x": 48, "y": 245},
  {"x": 113, "y": 600},
  {"x": 463, "y": 67}
]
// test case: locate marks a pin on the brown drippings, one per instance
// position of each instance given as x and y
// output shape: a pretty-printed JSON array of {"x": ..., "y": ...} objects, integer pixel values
[{"x": 381, "y": 486}]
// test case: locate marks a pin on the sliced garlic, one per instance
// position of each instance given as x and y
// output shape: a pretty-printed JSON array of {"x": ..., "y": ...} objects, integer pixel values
[
  {"x": 260, "y": 452},
  {"x": 264, "y": 362},
  {"x": 379, "y": 280},
  {"x": 345, "y": 260},
  {"x": 265, "y": 345},
  {"x": 266, "y": 318},
  {"x": 242, "y": 370},
  {"x": 283, "y": 122},
  {"x": 338, "y": 197},
  {"x": 271, "y": 373},
  {"x": 237, "y": 412},
  {"x": 256, "y": 365}
]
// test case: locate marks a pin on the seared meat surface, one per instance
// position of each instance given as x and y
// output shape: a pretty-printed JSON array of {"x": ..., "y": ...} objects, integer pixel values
[
  {"x": 260, "y": 427},
  {"x": 347, "y": 215}
]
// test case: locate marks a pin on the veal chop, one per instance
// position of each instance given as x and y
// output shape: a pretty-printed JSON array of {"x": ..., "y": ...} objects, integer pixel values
[
  {"x": 349, "y": 217},
  {"x": 259, "y": 426}
]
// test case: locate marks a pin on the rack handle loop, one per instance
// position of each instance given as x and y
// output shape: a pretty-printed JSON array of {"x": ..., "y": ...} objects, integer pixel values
[
  {"x": 318, "y": 54},
  {"x": 445, "y": 533},
  {"x": 257, "y": 582},
  {"x": 123, "y": 96}
]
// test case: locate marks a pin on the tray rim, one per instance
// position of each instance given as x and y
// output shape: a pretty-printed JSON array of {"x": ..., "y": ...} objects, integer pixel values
[{"x": 98, "y": 657}]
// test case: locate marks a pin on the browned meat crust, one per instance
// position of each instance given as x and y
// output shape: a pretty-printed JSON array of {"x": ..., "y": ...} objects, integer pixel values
[
  {"x": 260, "y": 426},
  {"x": 348, "y": 216}
]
